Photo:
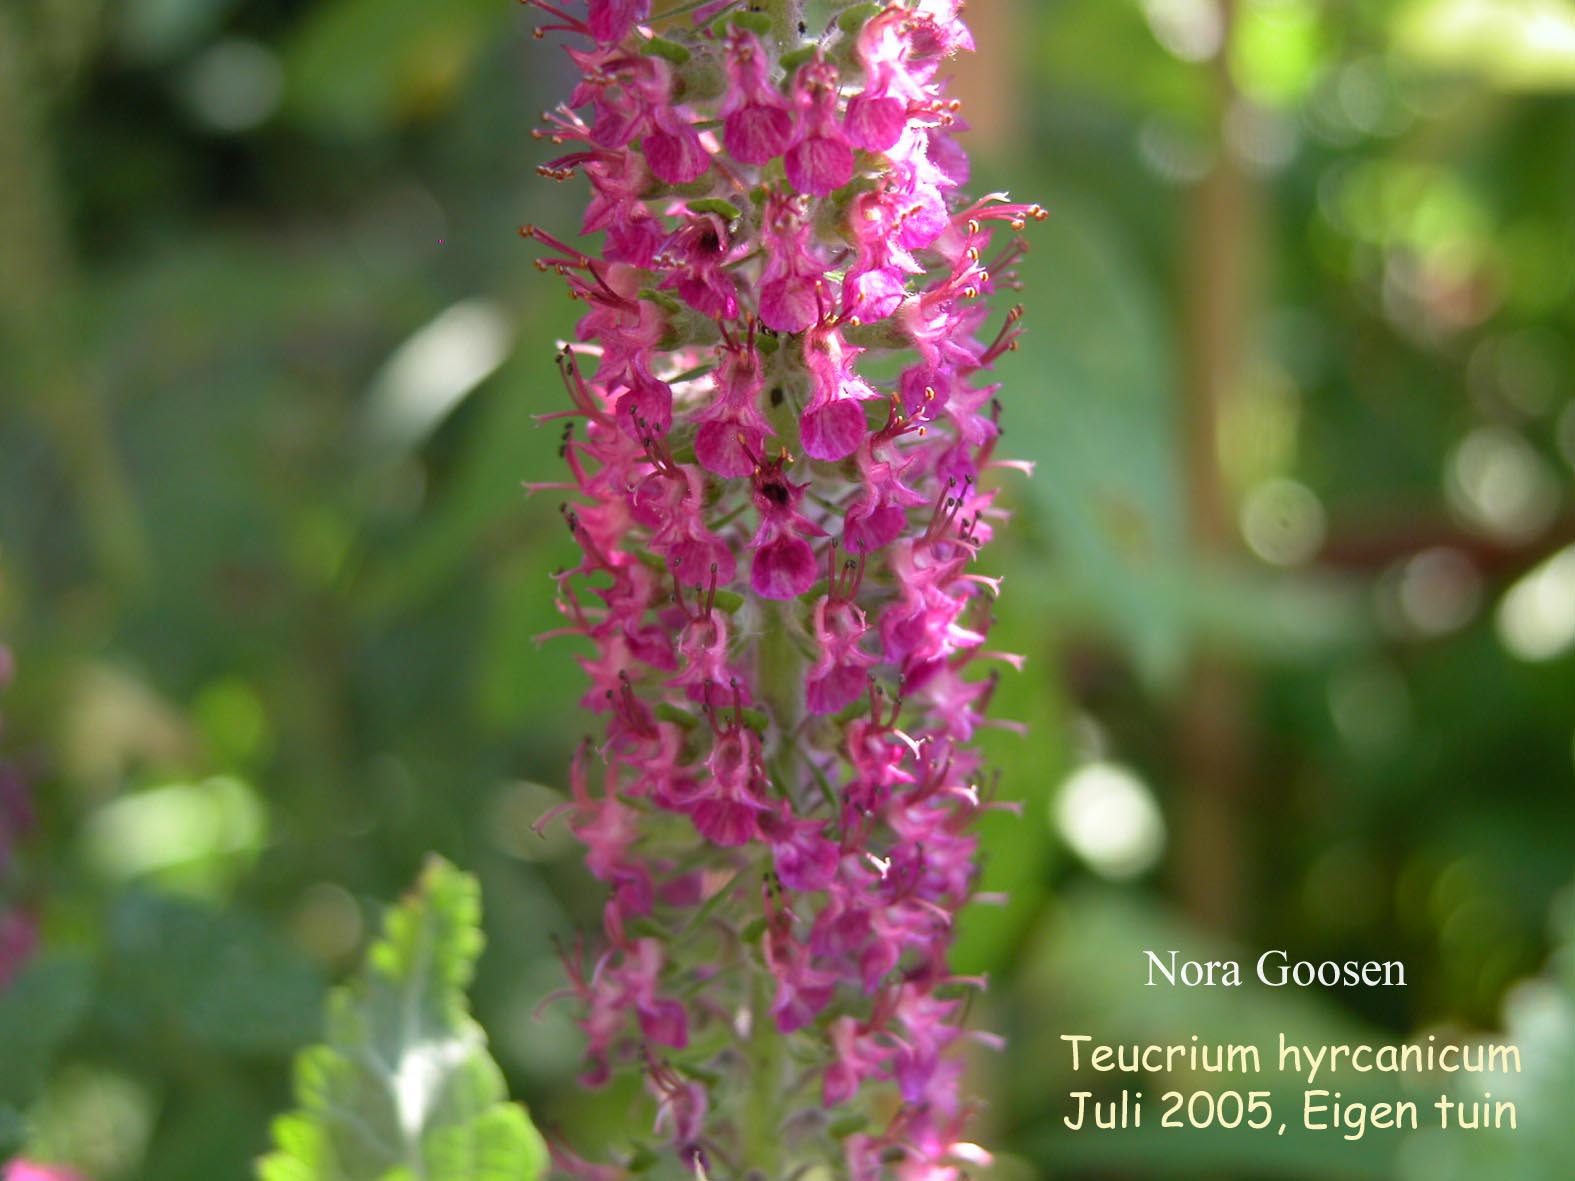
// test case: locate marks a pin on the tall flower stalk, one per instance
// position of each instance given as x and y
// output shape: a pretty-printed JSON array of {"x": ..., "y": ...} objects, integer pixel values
[{"x": 780, "y": 442}]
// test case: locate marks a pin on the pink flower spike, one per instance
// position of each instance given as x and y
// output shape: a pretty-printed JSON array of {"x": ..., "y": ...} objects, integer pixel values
[{"x": 781, "y": 429}]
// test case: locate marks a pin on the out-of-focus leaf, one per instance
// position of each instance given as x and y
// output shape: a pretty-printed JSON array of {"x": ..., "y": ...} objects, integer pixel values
[
  {"x": 1528, "y": 45},
  {"x": 155, "y": 31},
  {"x": 93, "y": 1119},
  {"x": 1271, "y": 617},
  {"x": 428, "y": 376},
  {"x": 1539, "y": 1018},
  {"x": 1092, "y": 405},
  {"x": 358, "y": 66},
  {"x": 1016, "y": 849},
  {"x": 217, "y": 1133},
  {"x": 404, "y": 1087},
  {"x": 38, "y": 1011},
  {"x": 194, "y": 837},
  {"x": 222, "y": 979},
  {"x": 1088, "y": 970},
  {"x": 1276, "y": 55},
  {"x": 1111, "y": 50},
  {"x": 13, "y": 1129},
  {"x": 1091, "y": 400},
  {"x": 507, "y": 446}
]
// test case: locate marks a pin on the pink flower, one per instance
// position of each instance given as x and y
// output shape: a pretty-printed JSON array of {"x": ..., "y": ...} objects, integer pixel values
[
  {"x": 821, "y": 162},
  {"x": 758, "y": 123},
  {"x": 781, "y": 456},
  {"x": 792, "y": 286},
  {"x": 613, "y": 20},
  {"x": 21, "y": 1170},
  {"x": 673, "y": 149}
]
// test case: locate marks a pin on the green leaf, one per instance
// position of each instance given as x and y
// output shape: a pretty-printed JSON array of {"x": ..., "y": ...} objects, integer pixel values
[
  {"x": 854, "y": 19},
  {"x": 357, "y": 67},
  {"x": 1539, "y": 1019},
  {"x": 756, "y": 22},
  {"x": 38, "y": 1011},
  {"x": 1091, "y": 402},
  {"x": 662, "y": 47},
  {"x": 792, "y": 61},
  {"x": 221, "y": 978},
  {"x": 13, "y": 1131},
  {"x": 158, "y": 31},
  {"x": 403, "y": 1089},
  {"x": 715, "y": 205}
]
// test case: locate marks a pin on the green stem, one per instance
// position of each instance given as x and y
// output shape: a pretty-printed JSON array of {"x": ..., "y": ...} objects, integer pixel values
[
  {"x": 763, "y": 1112},
  {"x": 779, "y": 679}
]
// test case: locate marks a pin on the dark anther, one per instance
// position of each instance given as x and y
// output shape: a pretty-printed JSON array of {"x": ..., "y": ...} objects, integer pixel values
[{"x": 778, "y": 395}]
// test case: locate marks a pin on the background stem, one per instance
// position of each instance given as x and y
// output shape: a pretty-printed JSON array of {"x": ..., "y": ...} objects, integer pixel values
[
  {"x": 1212, "y": 856},
  {"x": 56, "y": 387},
  {"x": 762, "y": 1115}
]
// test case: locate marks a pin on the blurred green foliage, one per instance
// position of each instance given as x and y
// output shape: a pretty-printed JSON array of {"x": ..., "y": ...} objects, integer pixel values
[{"x": 269, "y": 358}]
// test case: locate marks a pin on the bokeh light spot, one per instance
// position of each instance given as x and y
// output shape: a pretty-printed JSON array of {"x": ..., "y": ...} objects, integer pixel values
[{"x": 1110, "y": 819}]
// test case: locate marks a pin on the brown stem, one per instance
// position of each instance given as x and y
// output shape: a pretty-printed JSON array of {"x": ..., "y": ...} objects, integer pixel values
[
  {"x": 1211, "y": 855},
  {"x": 35, "y": 298}
]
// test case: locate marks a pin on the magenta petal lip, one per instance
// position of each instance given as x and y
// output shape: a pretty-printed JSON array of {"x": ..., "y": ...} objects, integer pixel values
[
  {"x": 758, "y": 134},
  {"x": 833, "y": 431},
  {"x": 784, "y": 570},
  {"x": 820, "y": 165}
]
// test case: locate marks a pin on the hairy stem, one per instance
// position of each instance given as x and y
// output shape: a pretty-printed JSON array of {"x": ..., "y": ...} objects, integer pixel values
[
  {"x": 781, "y": 681},
  {"x": 762, "y": 1113},
  {"x": 786, "y": 16},
  {"x": 779, "y": 678}
]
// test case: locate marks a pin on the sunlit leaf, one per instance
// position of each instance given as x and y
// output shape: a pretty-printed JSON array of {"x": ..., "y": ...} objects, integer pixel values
[
  {"x": 1277, "y": 54},
  {"x": 403, "y": 1088},
  {"x": 1526, "y": 45}
]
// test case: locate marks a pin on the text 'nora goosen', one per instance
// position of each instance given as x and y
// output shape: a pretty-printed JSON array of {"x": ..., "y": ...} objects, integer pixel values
[{"x": 1274, "y": 968}]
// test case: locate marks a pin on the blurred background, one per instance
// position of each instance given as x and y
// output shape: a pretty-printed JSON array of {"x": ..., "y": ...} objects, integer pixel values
[{"x": 1296, "y": 575}]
